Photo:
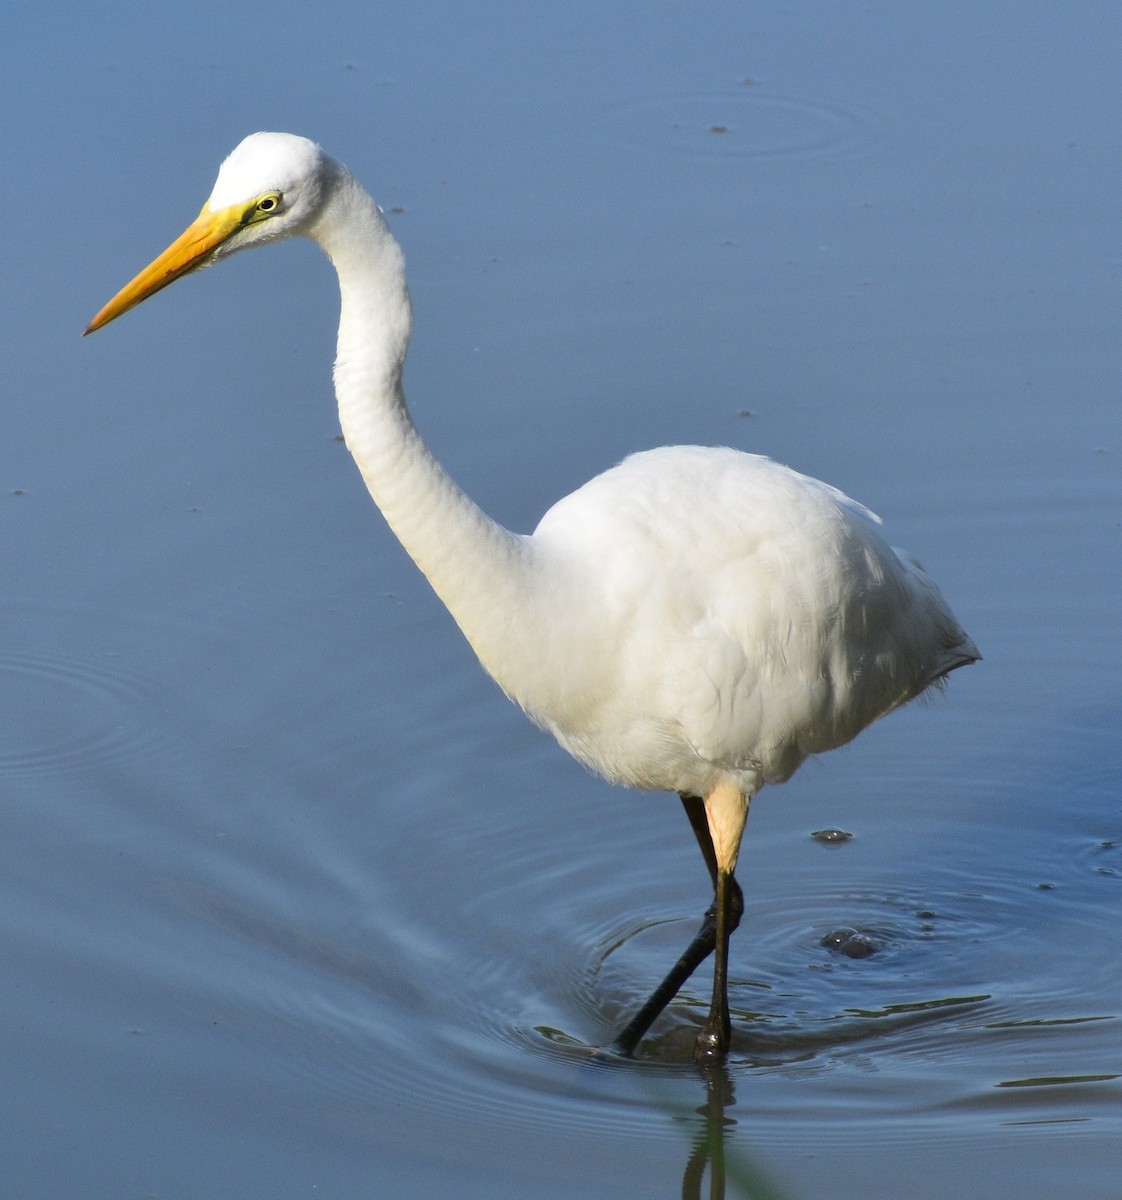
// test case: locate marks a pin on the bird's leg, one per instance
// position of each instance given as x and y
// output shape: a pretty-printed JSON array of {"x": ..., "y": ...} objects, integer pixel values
[
  {"x": 702, "y": 945},
  {"x": 713, "y": 1041},
  {"x": 699, "y": 823},
  {"x": 695, "y": 954},
  {"x": 726, "y": 810}
]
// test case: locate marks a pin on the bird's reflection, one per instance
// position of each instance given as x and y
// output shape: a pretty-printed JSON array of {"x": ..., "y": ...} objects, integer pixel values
[{"x": 709, "y": 1145}]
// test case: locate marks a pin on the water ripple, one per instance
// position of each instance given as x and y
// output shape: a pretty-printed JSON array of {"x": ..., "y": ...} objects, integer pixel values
[
  {"x": 745, "y": 123},
  {"x": 63, "y": 710}
]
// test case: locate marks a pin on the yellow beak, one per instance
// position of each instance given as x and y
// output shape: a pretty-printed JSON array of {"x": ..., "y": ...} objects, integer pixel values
[{"x": 190, "y": 250}]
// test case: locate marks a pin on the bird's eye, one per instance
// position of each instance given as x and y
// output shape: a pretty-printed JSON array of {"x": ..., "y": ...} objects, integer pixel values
[{"x": 267, "y": 205}]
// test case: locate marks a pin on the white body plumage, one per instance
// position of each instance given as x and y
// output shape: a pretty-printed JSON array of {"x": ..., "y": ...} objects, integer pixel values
[{"x": 719, "y": 615}]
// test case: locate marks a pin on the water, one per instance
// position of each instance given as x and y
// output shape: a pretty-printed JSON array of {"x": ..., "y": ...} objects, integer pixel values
[{"x": 294, "y": 903}]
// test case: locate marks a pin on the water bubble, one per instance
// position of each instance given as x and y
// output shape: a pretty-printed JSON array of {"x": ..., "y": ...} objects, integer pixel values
[
  {"x": 831, "y": 837},
  {"x": 851, "y": 943}
]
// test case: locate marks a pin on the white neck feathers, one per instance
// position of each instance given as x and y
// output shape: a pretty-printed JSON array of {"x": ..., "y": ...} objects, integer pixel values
[{"x": 483, "y": 573}]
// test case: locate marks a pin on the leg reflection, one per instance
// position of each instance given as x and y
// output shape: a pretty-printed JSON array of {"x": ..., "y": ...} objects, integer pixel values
[{"x": 709, "y": 1145}]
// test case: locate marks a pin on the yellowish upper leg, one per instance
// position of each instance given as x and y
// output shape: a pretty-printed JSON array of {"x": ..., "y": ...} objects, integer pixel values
[{"x": 726, "y": 810}]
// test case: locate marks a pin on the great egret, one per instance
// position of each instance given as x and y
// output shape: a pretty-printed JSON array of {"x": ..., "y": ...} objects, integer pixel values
[{"x": 693, "y": 620}]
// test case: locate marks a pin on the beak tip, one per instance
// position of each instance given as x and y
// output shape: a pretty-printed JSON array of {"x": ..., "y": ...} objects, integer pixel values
[{"x": 192, "y": 249}]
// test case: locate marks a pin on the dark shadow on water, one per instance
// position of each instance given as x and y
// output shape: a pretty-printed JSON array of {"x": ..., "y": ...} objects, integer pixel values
[{"x": 774, "y": 1040}]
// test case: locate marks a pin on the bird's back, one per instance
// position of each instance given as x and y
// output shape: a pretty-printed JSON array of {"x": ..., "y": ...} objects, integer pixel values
[{"x": 729, "y": 615}]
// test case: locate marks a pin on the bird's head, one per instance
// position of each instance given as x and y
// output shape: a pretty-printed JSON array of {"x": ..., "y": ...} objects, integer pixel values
[{"x": 269, "y": 188}]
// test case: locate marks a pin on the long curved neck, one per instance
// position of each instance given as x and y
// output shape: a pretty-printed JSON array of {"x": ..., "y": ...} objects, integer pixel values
[{"x": 483, "y": 573}]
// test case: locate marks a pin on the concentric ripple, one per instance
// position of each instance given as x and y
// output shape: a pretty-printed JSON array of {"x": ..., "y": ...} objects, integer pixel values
[
  {"x": 745, "y": 123},
  {"x": 61, "y": 709}
]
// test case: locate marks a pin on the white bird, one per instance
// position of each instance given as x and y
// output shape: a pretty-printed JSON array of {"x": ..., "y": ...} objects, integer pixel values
[{"x": 693, "y": 620}]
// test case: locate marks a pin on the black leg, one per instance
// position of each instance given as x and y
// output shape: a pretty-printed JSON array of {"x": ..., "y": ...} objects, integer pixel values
[
  {"x": 708, "y": 937},
  {"x": 713, "y": 1040},
  {"x": 699, "y": 823}
]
